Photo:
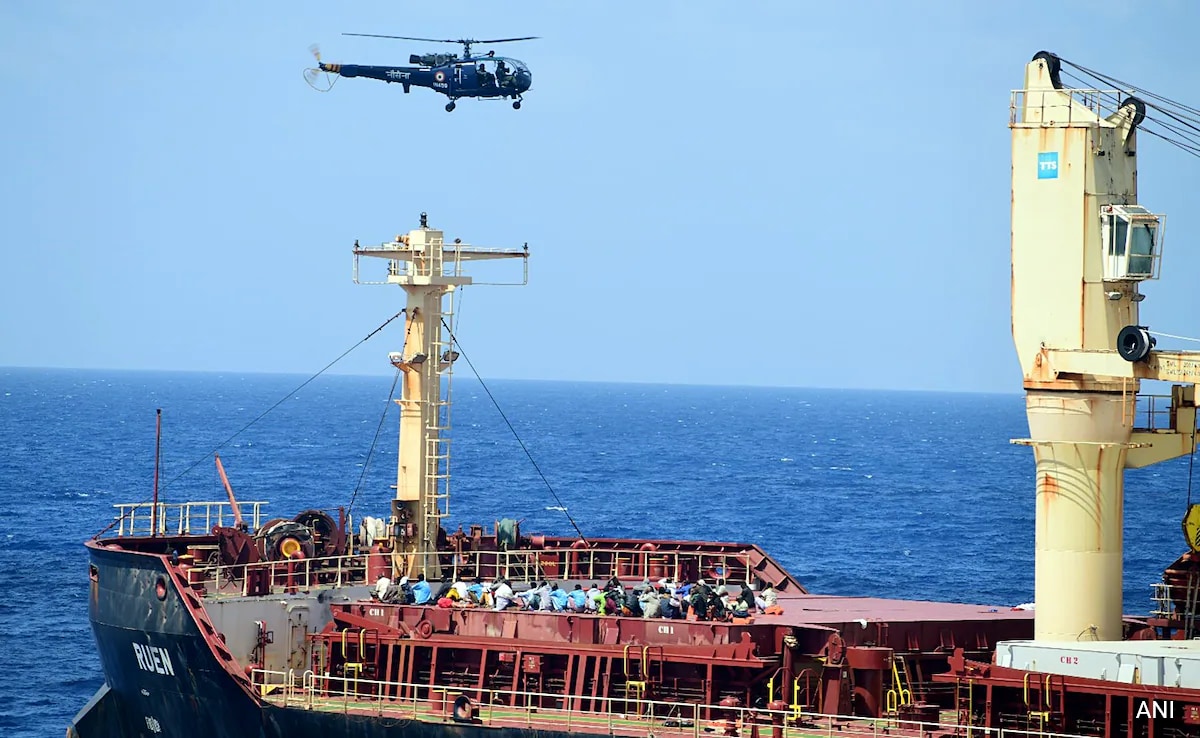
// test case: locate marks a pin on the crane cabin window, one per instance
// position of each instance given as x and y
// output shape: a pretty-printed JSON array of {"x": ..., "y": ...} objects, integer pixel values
[{"x": 1132, "y": 240}]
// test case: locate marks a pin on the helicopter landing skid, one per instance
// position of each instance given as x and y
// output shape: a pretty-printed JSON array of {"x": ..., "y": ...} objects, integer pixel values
[{"x": 450, "y": 106}]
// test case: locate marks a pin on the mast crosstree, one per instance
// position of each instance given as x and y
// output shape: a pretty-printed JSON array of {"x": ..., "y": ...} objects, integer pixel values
[{"x": 429, "y": 270}]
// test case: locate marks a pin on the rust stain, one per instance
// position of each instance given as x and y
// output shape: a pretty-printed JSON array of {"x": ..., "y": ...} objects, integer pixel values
[
  {"x": 1049, "y": 484},
  {"x": 1098, "y": 498},
  {"x": 1083, "y": 309},
  {"x": 1048, "y": 491}
]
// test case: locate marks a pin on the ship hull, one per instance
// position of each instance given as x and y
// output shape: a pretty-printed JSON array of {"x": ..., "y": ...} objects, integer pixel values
[{"x": 162, "y": 673}]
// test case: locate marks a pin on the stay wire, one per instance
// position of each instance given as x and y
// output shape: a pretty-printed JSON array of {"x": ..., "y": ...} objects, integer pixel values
[
  {"x": 1189, "y": 144},
  {"x": 1125, "y": 85},
  {"x": 282, "y": 400},
  {"x": 1186, "y": 123},
  {"x": 378, "y": 429},
  {"x": 492, "y": 397},
  {"x": 1172, "y": 335},
  {"x": 201, "y": 460},
  {"x": 387, "y": 406}
]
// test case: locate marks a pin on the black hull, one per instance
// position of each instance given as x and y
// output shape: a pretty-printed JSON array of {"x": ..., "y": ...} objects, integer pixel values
[{"x": 162, "y": 678}]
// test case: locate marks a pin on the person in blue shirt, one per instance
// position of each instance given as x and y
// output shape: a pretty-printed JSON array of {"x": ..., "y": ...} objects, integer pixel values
[
  {"x": 671, "y": 606},
  {"x": 475, "y": 591},
  {"x": 558, "y": 598},
  {"x": 420, "y": 590},
  {"x": 577, "y": 599}
]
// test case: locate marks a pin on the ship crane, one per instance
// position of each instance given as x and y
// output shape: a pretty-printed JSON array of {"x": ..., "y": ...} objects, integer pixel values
[
  {"x": 429, "y": 270},
  {"x": 1082, "y": 245}
]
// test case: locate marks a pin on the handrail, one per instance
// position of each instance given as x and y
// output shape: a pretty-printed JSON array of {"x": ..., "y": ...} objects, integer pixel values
[
  {"x": 1154, "y": 410},
  {"x": 180, "y": 518},
  {"x": 502, "y": 707},
  {"x": 525, "y": 566},
  {"x": 1049, "y": 104}
]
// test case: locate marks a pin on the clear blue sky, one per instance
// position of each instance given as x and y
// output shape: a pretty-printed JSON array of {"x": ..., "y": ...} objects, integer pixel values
[{"x": 764, "y": 193}]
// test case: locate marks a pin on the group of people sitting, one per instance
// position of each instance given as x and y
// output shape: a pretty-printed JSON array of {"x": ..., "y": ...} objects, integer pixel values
[{"x": 665, "y": 598}]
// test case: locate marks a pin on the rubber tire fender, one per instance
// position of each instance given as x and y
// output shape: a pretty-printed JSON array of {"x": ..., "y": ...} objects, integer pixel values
[{"x": 1134, "y": 343}]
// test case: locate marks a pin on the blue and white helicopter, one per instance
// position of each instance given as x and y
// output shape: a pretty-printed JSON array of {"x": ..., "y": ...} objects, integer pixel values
[{"x": 487, "y": 76}]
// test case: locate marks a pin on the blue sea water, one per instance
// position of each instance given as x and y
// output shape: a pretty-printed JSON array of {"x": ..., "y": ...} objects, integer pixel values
[{"x": 911, "y": 495}]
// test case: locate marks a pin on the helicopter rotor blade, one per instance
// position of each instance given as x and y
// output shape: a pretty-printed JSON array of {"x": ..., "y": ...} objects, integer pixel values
[
  {"x": 502, "y": 40},
  {"x": 316, "y": 52},
  {"x": 407, "y": 38},
  {"x": 446, "y": 40}
]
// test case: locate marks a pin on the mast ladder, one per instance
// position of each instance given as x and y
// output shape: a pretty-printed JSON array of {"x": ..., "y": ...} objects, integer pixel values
[{"x": 437, "y": 440}]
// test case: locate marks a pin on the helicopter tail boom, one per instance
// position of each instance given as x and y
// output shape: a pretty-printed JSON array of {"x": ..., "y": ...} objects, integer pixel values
[{"x": 404, "y": 75}]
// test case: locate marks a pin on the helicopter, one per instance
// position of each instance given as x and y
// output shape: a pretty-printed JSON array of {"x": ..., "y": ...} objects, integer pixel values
[{"x": 487, "y": 76}]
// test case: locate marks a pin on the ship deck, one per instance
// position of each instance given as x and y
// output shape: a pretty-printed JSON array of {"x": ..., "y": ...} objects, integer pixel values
[
  {"x": 809, "y": 609},
  {"x": 634, "y": 718}
]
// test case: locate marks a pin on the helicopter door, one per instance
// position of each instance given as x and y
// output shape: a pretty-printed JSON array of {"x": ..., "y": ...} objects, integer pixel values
[{"x": 459, "y": 80}]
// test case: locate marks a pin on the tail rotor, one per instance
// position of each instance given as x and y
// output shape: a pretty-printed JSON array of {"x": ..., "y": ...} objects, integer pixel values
[{"x": 313, "y": 76}]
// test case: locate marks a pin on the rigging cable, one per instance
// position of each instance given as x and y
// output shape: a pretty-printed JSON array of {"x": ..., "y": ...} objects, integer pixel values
[
  {"x": 1190, "y": 143},
  {"x": 201, "y": 460},
  {"x": 1135, "y": 88},
  {"x": 367, "y": 463},
  {"x": 1180, "y": 113},
  {"x": 491, "y": 397},
  {"x": 387, "y": 406},
  {"x": 284, "y": 399},
  {"x": 1172, "y": 335}
]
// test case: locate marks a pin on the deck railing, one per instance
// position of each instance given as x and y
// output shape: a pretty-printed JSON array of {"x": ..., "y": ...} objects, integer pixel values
[
  {"x": 326, "y": 572},
  {"x": 632, "y": 715},
  {"x": 1049, "y": 107},
  {"x": 182, "y": 518},
  {"x": 1153, "y": 412},
  {"x": 524, "y": 566}
]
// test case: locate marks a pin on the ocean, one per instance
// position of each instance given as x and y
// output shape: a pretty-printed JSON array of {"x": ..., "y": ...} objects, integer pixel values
[{"x": 892, "y": 494}]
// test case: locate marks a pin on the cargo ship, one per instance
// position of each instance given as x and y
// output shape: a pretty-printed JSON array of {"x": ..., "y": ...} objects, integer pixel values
[{"x": 211, "y": 620}]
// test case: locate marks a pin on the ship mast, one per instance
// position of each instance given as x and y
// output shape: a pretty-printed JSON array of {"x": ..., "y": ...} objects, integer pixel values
[
  {"x": 429, "y": 270},
  {"x": 1081, "y": 247}
]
